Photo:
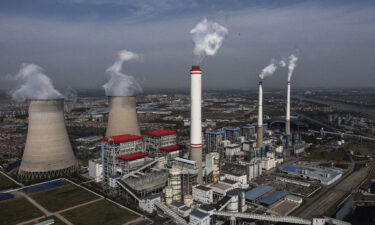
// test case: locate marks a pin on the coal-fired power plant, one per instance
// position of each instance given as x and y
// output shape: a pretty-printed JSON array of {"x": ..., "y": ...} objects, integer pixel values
[
  {"x": 122, "y": 117},
  {"x": 196, "y": 119},
  {"x": 48, "y": 152},
  {"x": 260, "y": 116},
  {"x": 287, "y": 122}
]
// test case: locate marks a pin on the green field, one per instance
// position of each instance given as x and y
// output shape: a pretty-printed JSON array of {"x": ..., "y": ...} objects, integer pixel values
[
  {"x": 6, "y": 183},
  {"x": 102, "y": 212},
  {"x": 17, "y": 210},
  {"x": 63, "y": 197}
]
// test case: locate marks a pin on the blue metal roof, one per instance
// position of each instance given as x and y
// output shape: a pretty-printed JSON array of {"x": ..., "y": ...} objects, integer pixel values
[
  {"x": 214, "y": 132},
  {"x": 257, "y": 192},
  {"x": 272, "y": 198}
]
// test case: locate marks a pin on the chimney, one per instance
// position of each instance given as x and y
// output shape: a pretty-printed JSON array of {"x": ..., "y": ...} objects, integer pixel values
[
  {"x": 196, "y": 119},
  {"x": 48, "y": 152},
  {"x": 260, "y": 117},
  {"x": 287, "y": 122},
  {"x": 122, "y": 118}
]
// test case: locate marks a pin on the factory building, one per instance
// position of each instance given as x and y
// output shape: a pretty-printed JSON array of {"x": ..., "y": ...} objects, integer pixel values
[
  {"x": 213, "y": 141},
  {"x": 248, "y": 132},
  {"x": 96, "y": 170},
  {"x": 232, "y": 134},
  {"x": 202, "y": 194},
  {"x": 212, "y": 168},
  {"x": 325, "y": 176},
  {"x": 189, "y": 173},
  {"x": 257, "y": 193},
  {"x": 121, "y": 154},
  {"x": 162, "y": 143}
]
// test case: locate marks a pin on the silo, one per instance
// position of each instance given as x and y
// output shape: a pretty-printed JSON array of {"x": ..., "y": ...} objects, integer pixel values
[
  {"x": 122, "y": 117},
  {"x": 48, "y": 152},
  {"x": 175, "y": 183}
]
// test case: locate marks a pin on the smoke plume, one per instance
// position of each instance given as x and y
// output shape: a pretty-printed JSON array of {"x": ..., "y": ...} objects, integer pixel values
[
  {"x": 291, "y": 65},
  {"x": 36, "y": 84},
  {"x": 268, "y": 70},
  {"x": 121, "y": 84},
  {"x": 208, "y": 37}
]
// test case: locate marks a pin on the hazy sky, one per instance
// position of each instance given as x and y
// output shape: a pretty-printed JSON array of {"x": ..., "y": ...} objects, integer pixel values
[{"x": 75, "y": 41}]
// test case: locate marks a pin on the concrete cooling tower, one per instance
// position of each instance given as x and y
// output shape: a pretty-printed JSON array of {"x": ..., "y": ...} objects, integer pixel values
[
  {"x": 48, "y": 152},
  {"x": 122, "y": 117}
]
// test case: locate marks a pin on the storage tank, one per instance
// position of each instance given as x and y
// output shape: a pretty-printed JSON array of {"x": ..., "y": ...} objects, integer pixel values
[
  {"x": 48, "y": 152},
  {"x": 168, "y": 195},
  {"x": 188, "y": 200},
  {"x": 175, "y": 183}
]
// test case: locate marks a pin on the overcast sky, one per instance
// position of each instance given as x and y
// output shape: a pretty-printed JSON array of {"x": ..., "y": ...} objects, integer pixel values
[{"x": 75, "y": 41}]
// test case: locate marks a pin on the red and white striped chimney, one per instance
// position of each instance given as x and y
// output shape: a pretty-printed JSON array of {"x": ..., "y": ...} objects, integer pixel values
[
  {"x": 287, "y": 122},
  {"x": 260, "y": 116},
  {"x": 196, "y": 119}
]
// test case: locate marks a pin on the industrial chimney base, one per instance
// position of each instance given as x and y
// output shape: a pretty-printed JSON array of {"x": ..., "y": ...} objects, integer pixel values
[{"x": 28, "y": 175}]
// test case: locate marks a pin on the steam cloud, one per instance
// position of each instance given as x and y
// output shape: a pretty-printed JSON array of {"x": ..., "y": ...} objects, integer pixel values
[
  {"x": 291, "y": 65},
  {"x": 208, "y": 37},
  {"x": 121, "y": 84},
  {"x": 36, "y": 84}
]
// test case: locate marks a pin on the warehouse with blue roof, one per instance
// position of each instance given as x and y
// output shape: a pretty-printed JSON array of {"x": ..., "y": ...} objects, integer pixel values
[
  {"x": 256, "y": 193},
  {"x": 273, "y": 198}
]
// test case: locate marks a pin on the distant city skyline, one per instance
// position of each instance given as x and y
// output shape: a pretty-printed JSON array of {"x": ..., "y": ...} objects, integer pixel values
[{"x": 75, "y": 41}]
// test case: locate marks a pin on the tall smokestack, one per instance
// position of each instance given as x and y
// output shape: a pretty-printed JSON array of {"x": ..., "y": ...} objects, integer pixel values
[
  {"x": 196, "y": 118},
  {"x": 287, "y": 122},
  {"x": 260, "y": 117},
  {"x": 48, "y": 152},
  {"x": 122, "y": 117}
]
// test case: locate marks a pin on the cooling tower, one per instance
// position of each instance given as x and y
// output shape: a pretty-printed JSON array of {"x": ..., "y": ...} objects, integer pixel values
[
  {"x": 287, "y": 122},
  {"x": 196, "y": 119},
  {"x": 48, "y": 152},
  {"x": 122, "y": 117},
  {"x": 260, "y": 117}
]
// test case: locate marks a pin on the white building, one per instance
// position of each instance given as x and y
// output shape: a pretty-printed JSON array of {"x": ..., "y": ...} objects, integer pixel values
[
  {"x": 202, "y": 194},
  {"x": 96, "y": 170},
  {"x": 198, "y": 217},
  {"x": 268, "y": 163},
  {"x": 147, "y": 204}
]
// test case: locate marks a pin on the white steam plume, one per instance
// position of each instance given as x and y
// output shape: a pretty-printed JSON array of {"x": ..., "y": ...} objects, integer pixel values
[
  {"x": 208, "y": 37},
  {"x": 36, "y": 84},
  {"x": 121, "y": 84},
  {"x": 291, "y": 65}
]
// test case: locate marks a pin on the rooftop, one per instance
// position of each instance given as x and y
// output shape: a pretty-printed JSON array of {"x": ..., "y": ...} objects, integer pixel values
[
  {"x": 272, "y": 198},
  {"x": 203, "y": 188},
  {"x": 160, "y": 133},
  {"x": 198, "y": 213},
  {"x": 121, "y": 138},
  {"x": 133, "y": 156},
  {"x": 257, "y": 192},
  {"x": 170, "y": 148}
]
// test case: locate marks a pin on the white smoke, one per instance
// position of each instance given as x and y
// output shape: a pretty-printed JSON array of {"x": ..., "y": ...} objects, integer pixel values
[
  {"x": 291, "y": 65},
  {"x": 268, "y": 70},
  {"x": 36, "y": 84},
  {"x": 121, "y": 84},
  {"x": 208, "y": 37}
]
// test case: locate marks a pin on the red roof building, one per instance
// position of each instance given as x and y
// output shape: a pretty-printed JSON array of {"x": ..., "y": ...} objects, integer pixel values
[
  {"x": 133, "y": 156},
  {"x": 121, "y": 138},
  {"x": 170, "y": 148},
  {"x": 160, "y": 133}
]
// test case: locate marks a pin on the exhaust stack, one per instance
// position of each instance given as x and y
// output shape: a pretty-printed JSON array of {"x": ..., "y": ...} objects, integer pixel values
[
  {"x": 122, "y": 118},
  {"x": 48, "y": 152},
  {"x": 260, "y": 117},
  {"x": 196, "y": 119},
  {"x": 287, "y": 122}
]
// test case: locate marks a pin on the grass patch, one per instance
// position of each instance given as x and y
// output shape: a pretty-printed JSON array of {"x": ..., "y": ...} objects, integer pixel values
[
  {"x": 17, "y": 210},
  {"x": 102, "y": 212},
  {"x": 6, "y": 183},
  {"x": 63, "y": 197}
]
